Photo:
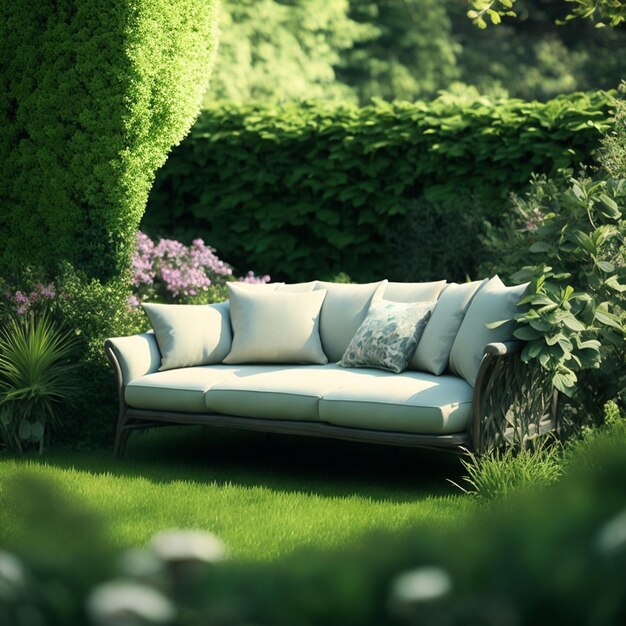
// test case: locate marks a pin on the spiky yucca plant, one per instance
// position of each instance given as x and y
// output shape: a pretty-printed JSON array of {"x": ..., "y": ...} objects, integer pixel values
[{"x": 36, "y": 378}]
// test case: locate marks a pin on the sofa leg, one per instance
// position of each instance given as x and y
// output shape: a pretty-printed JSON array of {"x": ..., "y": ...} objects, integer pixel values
[{"x": 121, "y": 437}]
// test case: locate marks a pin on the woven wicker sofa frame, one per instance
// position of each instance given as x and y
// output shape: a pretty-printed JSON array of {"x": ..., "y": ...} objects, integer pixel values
[{"x": 512, "y": 403}]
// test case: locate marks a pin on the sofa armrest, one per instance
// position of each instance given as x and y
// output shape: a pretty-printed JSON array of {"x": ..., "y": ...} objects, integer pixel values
[
  {"x": 134, "y": 356},
  {"x": 503, "y": 348},
  {"x": 513, "y": 401}
]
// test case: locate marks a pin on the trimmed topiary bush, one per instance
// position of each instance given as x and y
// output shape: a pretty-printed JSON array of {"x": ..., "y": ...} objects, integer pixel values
[
  {"x": 92, "y": 97},
  {"x": 309, "y": 190}
]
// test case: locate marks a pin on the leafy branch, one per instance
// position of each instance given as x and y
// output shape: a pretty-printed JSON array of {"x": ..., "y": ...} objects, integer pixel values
[{"x": 602, "y": 12}]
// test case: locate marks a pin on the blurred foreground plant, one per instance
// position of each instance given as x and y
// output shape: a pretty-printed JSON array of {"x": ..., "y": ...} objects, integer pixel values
[{"x": 36, "y": 378}]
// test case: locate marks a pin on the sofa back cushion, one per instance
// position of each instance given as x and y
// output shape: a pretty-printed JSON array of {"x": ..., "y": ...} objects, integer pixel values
[
  {"x": 433, "y": 351},
  {"x": 493, "y": 303},
  {"x": 414, "y": 292},
  {"x": 275, "y": 327},
  {"x": 343, "y": 311},
  {"x": 190, "y": 334},
  {"x": 297, "y": 287}
]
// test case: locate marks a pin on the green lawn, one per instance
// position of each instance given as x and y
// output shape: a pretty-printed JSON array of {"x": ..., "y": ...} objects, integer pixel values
[{"x": 264, "y": 496}]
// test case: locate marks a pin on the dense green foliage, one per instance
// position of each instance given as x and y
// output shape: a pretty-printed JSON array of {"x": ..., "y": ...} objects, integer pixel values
[
  {"x": 303, "y": 191},
  {"x": 92, "y": 98},
  {"x": 553, "y": 557},
  {"x": 276, "y": 50}
]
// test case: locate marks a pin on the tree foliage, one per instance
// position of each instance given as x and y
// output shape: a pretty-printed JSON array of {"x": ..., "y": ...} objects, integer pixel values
[
  {"x": 283, "y": 49},
  {"x": 411, "y": 55},
  {"x": 92, "y": 98},
  {"x": 356, "y": 50}
]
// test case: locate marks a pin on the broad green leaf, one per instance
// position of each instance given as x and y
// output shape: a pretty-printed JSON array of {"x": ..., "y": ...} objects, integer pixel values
[
  {"x": 497, "y": 324},
  {"x": 526, "y": 333},
  {"x": 25, "y": 430}
]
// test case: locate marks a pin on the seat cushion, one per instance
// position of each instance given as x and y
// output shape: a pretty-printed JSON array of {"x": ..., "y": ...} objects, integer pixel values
[
  {"x": 412, "y": 402},
  {"x": 180, "y": 390},
  {"x": 287, "y": 392}
]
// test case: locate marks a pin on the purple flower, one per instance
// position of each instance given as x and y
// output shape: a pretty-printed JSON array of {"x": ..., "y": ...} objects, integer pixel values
[
  {"x": 21, "y": 298},
  {"x": 176, "y": 270},
  {"x": 251, "y": 278}
]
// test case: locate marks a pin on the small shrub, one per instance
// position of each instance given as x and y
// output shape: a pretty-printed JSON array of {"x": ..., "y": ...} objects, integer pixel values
[
  {"x": 36, "y": 379},
  {"x": 570, "y": 233},
  {"x": 169, "y": 271},
  {"x": 505, "y": 473},
  {"x": 586, "y": 451}
]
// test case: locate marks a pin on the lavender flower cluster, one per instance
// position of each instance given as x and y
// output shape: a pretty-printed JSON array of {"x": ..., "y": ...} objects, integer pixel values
[
  {"x": 24, "y": 302},
  {"x": 174, "y": 272}
]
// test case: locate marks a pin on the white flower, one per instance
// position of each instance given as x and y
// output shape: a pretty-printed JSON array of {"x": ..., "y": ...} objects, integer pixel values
[
  {"x": 12, "y": 576},
  {"x": 188, "y": 546},
  {"x": 613, "y": 535},
  {"x": 141, "y": 563},
  {"x": 126, "y": 603},
  {"x": 420, "y": 585}
]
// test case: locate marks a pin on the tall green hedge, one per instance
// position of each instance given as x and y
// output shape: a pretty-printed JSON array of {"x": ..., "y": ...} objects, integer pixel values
[
  {"x": 309, "y": 190},
  {"x": 92, "y": 97}
]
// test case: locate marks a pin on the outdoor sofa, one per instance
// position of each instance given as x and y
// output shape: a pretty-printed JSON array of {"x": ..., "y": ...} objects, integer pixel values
[{"x": 272, "y": 358}]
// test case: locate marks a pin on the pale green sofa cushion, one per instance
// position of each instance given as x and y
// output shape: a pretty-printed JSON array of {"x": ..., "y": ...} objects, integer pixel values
[
  {"x": 180, "y": 390},
  {"x": 343, "y": 311},
  {"x": 190, "y": 334},
  {"x": 413, "y": 402},
  {"x": 493, "y": 303},
  {"x": 137, "y": 355},
  {"x": 388, "y": 336},
  {"x": 280, "y": 392},
  {"x": 414, "y": 292},
  {"x": 433, "y": 351},
  {"x": 275, "y": 327}
]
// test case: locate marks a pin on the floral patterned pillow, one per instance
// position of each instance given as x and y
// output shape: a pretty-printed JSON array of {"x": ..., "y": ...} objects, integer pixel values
[{"x": 388, "y": 336}]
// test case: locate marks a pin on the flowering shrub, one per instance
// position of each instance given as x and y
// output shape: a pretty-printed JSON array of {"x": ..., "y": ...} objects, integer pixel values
[{"x": 172, "y": 272}]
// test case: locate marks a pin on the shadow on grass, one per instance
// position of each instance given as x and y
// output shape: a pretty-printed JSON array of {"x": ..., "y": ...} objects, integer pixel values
[{"x": 282, "y": 463}]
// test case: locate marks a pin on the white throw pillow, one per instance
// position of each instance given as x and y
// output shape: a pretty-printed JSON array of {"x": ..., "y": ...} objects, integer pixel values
[
  {"x": 343, "y": 311},
  {"x": 275, "y": 327},
  {"x": 190, "y": 334},
  {"x": 433, "y": 350},
  {"x": 297, "y": 287},
  {"x": 493, "y": 303},
  {"x": 257, "y": 286},
  {"x": 414, "y": 292}
]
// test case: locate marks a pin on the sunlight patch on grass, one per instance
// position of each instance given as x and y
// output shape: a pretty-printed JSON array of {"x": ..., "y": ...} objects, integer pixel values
[{"x": 264, "y": 497}]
